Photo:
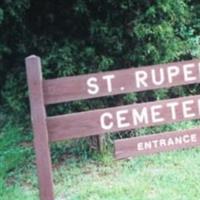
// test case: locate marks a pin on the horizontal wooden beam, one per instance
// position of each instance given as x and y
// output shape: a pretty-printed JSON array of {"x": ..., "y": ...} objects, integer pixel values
[
  {"x": 123, "y": 118},
  {"x": 121, "y": 81},
  {"x": 149, "y": 144}
]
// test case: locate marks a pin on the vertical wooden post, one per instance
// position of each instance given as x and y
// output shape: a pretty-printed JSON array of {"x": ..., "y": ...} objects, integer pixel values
[
  {"x": 96, "y": 142},
  {"x": 38, "y": 117}
]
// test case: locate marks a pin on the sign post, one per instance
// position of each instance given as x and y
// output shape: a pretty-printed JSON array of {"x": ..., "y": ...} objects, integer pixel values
[{"x": 41, "y": 137}]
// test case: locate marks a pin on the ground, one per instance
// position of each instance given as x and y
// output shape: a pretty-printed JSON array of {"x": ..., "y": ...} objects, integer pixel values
[{"x": 166, "y": 176}]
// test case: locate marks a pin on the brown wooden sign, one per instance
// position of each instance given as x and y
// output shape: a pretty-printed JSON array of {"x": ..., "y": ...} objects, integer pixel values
[
  {"x": 99, "y": 121},
  {"x": 123, "y": 118},
  {"x": 121, "y": 81},
  {"x": 148, "y": 144}
]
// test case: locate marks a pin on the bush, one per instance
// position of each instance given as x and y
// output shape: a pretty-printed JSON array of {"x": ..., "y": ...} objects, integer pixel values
[
  {"x": 13, "y": 151},
  {"x": 84, "y": 36}
]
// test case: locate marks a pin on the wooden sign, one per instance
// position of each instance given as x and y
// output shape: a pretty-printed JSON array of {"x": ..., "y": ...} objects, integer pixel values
[
  {"x": 148, "y": 144},
  {"x": 121, "y": 81},
  {"x": 123, "y": 118},
  {"x": 95, "y": 122}
]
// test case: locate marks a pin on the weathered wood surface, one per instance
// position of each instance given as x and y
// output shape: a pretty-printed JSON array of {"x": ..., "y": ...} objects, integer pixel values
[
  {"x": 123, "y": 118},
  {"x": 100, "y": 121},
  {"x": 149, "y": 144},
  {"x": 121, "y": 81},
  {"x": 38, "y": 117}
]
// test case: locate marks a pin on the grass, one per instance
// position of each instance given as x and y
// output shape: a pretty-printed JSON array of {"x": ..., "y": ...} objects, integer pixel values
[
  {"x": 173, "y": 175},
  {"x": 166, "y": 176}
]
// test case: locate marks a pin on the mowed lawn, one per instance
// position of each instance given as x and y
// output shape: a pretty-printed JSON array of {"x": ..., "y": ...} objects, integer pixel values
[{"x": 166, "y": 176}]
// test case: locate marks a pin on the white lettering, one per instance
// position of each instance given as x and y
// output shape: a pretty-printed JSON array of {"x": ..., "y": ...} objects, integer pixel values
[
  {"x": 141, "y": 117},
  {"x": 170, "y": 142},
  {"x": 188, "y": 72},
  {"x": 186, "y": 138},
  {"x": 103, "y": 117},
  {"x": 93, "y": 87},
  {"x": 162, "y": 142},
  {"x": 161, "y": 75},
  {"x": 121, "y": 120},
  {"x": 193, "y": 138},
  {"x": 147, "y": 145},
  {"x": 187, "y": 109},
  {"x": 178, "y": 140},
  {"x": 155, "y": 114},
  {"x": 140, "y": 77},
  {"x": 155, "y": 143},
  {"x": 140, "y": 146},
  {"x": 108, "y": 78},
  {"x": 172, "y": 72},
  {"x": 172, "y": 106}
]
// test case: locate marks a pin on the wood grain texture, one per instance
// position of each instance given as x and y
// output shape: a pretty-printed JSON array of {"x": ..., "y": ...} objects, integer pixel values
[
  {"x": 88, "y": 123},
  {"x": 125, "y": 148},
  {"x": 75, "y": 88},
  {"x": 38, "y": 117}
]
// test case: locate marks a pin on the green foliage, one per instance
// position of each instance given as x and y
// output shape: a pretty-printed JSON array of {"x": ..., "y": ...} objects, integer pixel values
[
  {"x": 92, "y": 36},
  {"x": 13, "y": 151},
  {"x": 167, "y": 128},
  {"x": 84, "y": 36}
]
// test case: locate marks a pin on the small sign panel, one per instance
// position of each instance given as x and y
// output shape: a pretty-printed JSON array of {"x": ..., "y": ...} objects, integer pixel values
[{"x": 148, "y": 144}]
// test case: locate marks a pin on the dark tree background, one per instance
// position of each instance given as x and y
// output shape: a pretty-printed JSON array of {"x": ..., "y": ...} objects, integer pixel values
[{"x": 81, "y": 36}]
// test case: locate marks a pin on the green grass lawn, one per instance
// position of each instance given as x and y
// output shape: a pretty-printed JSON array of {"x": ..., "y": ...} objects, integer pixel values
[
  {"x": 170, "y": 176},
  {"x": 166, "y": 176}
]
